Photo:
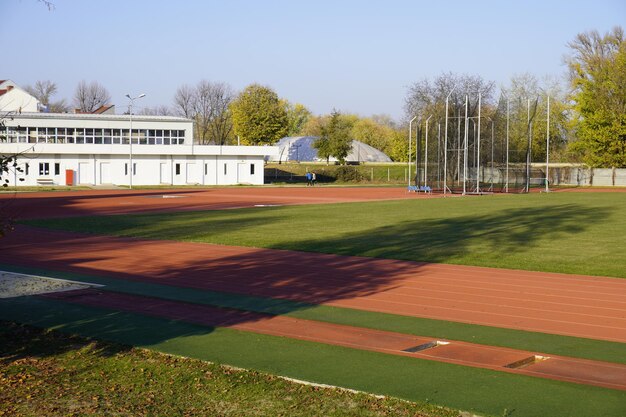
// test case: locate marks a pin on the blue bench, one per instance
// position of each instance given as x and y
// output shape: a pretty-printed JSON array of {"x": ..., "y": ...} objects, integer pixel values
[{"x": 421, "y": 188}]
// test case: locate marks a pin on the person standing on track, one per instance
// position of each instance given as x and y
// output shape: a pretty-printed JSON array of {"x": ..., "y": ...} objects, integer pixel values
[
  {"x": 313, "y": 178},
  {"x": 309, "y": 179}
]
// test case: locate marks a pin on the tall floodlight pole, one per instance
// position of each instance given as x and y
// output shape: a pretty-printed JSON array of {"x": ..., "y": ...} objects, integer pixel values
[
  {"x": 445, "y": 147},
  {"x": 528, "y": 150},
  {"x": 438, "y": 154},
  {"x": 418, "y": 136},
  {"x": 458, "y": 146},
  {"x": 478, "y": 149},
  {"x": 409, "y": 154},
  {"x": 507, "y": 145},
  {"x": 426, "y": 152},
  {"x": 130, "y": 138},
  {"x": 492, "y": 139},
  {"x": 465, "y": 145},
  {"x": 548, "y": 144}
]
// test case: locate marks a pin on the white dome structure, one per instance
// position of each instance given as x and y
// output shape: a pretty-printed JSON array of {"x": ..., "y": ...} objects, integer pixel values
[{"x": 300, "y": 148}]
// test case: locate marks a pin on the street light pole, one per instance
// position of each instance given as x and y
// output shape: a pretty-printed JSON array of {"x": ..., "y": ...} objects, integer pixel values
[{"x": 130, "y": 138}]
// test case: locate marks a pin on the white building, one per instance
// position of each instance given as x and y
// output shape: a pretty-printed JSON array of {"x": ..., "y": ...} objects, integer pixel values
[{"x": 94, "y": 149}]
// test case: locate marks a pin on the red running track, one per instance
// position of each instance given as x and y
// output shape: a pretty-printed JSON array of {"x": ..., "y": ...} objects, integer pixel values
[
  {"x": 573, "y": 305},
  {"x": 106, "y": 202}
]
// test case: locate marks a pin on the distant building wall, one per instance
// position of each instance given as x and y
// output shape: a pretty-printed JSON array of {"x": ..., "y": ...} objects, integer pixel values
[
  {"x": 151, "y": 165},
  {"x": 583, "y": 176},
  {"x": 97, "y": 149}
]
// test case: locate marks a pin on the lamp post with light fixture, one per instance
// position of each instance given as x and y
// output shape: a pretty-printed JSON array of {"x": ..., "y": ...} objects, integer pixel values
[{"x": 130, "y": 137}]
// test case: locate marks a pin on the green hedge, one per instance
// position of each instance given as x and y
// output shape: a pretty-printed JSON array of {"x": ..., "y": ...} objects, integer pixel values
[{"x": 362, "y": 173}]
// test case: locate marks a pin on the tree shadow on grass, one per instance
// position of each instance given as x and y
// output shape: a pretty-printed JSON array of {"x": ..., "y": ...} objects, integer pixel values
[
  {"x": 508, "y": 231},
  {"x": 23, "y": 341}
]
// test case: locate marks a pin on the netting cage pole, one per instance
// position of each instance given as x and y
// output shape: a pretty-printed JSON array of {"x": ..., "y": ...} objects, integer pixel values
[
  {"x": 465, "y": 145},
  {"x": 445, "y": 146},
  {"x": 548, "y": 143}
]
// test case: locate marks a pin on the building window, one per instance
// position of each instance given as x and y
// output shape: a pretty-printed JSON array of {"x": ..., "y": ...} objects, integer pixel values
[
  {"x": 206, "y": 169},
  {"x": 134, "y": 168},
  {"x": 126, "y": 168},
  {"x": 44, "y": 168},
  {"x": 27, "y": 168},
  {"x": 70, "y": 135},
  {"x": 177, "y": 169},
  {"x": 57, "y": 168},
  {"x": 251, "y": 169},
  {"x": 225, "y": 169}
]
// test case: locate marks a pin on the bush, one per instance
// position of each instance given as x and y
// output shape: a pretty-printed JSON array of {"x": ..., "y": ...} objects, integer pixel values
[{"x": 348, "y": 174}]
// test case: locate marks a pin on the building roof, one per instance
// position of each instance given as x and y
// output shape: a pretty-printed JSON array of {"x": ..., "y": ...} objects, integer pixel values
[
  {"x": 104, "y": 109},
  {"x": 91, "y": 116}
]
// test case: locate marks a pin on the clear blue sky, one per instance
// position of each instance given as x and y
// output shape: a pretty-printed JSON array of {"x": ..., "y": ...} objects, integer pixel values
[{"x": 353, "y": 55}]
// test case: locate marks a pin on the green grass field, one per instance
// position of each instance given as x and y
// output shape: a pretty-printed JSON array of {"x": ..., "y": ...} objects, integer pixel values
[
  {"x": 560, "y": 232},
  {"x": 578, "y": 233},
  {"x": 478, "y": 390}
]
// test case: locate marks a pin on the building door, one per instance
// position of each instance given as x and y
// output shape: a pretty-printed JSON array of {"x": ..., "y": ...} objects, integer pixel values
[
  {"x": 105, "y": 173},
  {"x": 85, "y": 175},
  {"x": 242, "y": 173},
  {"x": 164, "y": 176},
  {"x": 191, "y": 177}
]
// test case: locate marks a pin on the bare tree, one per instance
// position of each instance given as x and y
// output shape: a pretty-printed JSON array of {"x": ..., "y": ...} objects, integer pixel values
[
  {"x": 89, "y": 97},
  {"x": 48, "y": 4},
  {"x": 184, "y": 101},
  {"x": 59, "y": 106},
  {"x": 43, "y": 91},
  {"x": 208, "y": 104},
  {"x": 426, "y": 97},
  {"x": 212, "y": 114},
  {"x": 157, "y": 111}
]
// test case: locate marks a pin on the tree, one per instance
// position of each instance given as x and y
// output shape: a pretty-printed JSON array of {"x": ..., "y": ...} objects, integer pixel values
[
  {"x": 426, "y": 98},
  {"x": 208, "y": 105},
  {"x": 8, "y": 163},
  {"x": 212, "y": 112},
  {"x": 156, "y": 111},
  {"x": 525, "y": 89},
  {"x": 43, "y": 91},
  {"x": 184, "y": 101},
  {"x": 597, "y": 72},
  {"x": 368, "y": 131},
  {"x": 259, "y": 116},
  {"x": 313, "y": 126},
  {"x": 335, "y": 138},
  {"x": 89, "y": 97},
  {"x": 398, "y": 148},
  {"x": 297, "y": 117}
]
